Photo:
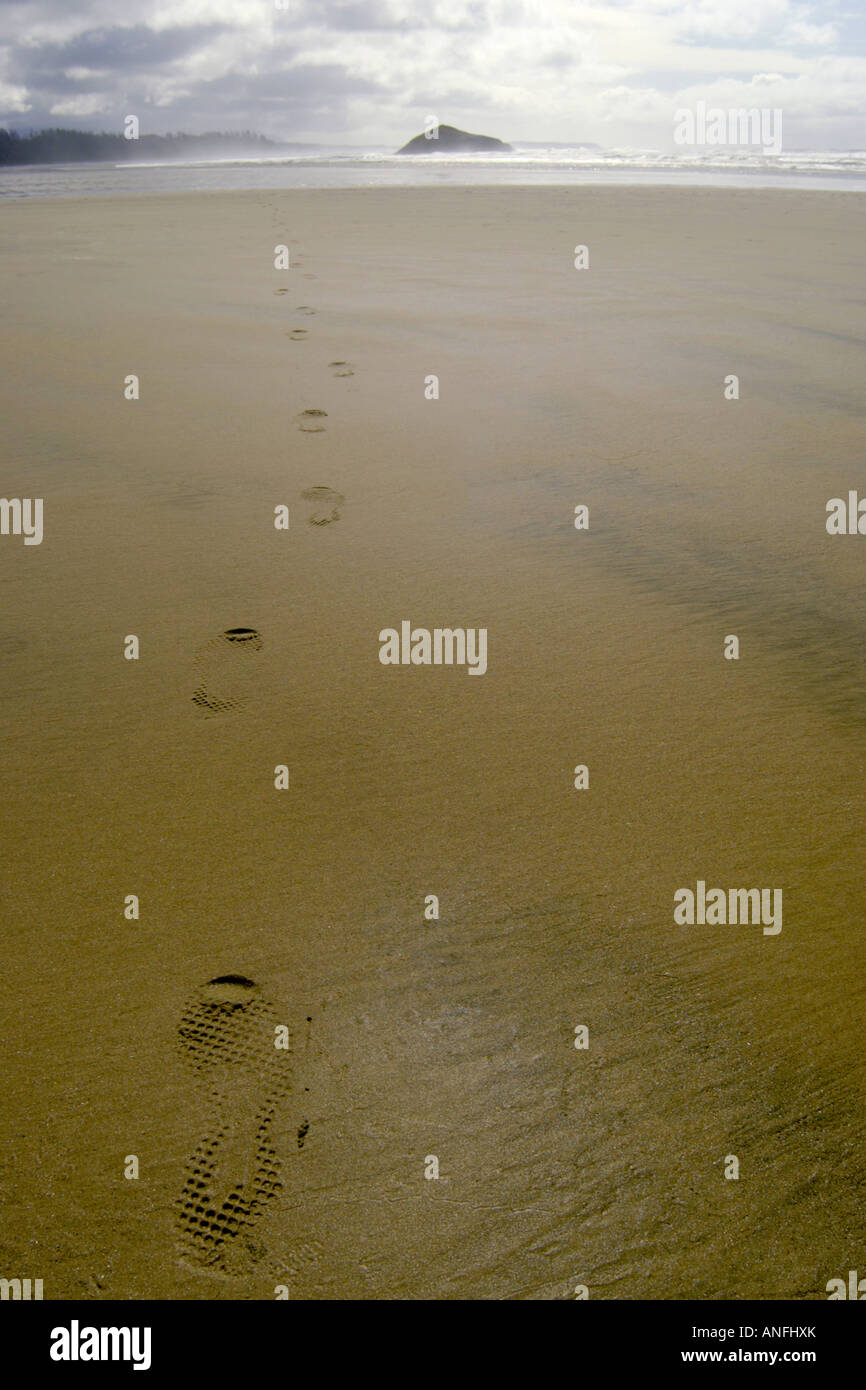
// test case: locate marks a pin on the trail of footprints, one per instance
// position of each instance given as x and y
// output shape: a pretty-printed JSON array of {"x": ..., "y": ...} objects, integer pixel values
[
  {"x": 227, "y": 1029},
  {"x": 326, "y": 501}
]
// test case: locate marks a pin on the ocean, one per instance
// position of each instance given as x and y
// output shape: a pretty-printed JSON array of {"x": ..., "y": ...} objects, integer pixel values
[{"x": 352, "y": 167}]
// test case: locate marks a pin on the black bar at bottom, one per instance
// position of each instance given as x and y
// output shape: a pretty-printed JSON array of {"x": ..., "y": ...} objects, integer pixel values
[{"x": 227, "y": 1338}]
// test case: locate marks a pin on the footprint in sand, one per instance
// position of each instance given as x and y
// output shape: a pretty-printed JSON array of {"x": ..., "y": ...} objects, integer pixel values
[
  {"x": 311, "y": 421},
  {"x": 297, "y": 334},
  {"x": 326, "y": 505},
  {"x": 284, "y": 290},
  {"x": 227, "y": 1035},
  {"x": 228, "y": 670},
  {"x": 343, "y": 368},
  {"x": 304, "y": 309}
]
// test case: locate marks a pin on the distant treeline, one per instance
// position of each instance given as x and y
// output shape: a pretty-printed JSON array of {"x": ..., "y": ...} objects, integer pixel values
[{"x": 76, "y": 146}]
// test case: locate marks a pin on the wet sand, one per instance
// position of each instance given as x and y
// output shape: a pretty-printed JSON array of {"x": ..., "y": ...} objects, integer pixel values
[{"x": 305, "y": 1168}]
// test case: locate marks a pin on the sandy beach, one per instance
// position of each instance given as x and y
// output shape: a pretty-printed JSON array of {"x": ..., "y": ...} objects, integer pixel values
[{"x": 412, "y": 1037}]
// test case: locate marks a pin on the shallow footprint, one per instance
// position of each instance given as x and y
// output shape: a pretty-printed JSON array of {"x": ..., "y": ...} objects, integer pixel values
[
  {"x": 284, "y": 290},
  {"x": 326, "y": 507},
  {"x": 297, "y": 334},
  {"x": 227, "y": 1036},
  {"x": 343, "y": 368},
  {"x": 311, "y": 421},
  {"x": 228, "y": 670},
  {"x": 304, "y": 309}
]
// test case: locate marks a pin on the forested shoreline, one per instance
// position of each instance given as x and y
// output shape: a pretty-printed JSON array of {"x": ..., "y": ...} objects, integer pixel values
[{"x": 61, "y": 146}]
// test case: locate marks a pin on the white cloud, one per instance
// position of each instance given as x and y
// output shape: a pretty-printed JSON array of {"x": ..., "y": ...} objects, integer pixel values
[
  {"x": 732, "y": 19},
  {"x": 802, "y": 34},
  {"x": 13, "y": 99},
  {"x": 82, "y": 106}
]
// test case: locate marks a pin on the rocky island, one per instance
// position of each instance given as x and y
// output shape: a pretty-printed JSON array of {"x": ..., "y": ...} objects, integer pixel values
[{"x": 455, "y": 141}]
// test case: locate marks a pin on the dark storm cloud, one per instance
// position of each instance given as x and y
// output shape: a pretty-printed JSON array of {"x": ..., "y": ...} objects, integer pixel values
[
  {"x": 314, "y": 96},
  {"x": 118, "y": 50},
  {"x": 121, "y": 63}
]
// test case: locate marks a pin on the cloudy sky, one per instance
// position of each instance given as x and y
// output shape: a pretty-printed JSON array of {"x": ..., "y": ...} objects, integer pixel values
[{"x": 371, "y": 71}]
